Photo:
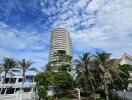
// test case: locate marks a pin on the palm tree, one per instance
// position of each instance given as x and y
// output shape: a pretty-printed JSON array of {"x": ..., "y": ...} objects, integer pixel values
[
  {"x": 24, "y": 66},
  {"x": 84, "y": 70},
  {"x": 103, "y": 62},
  {"x": 106, "y": 69},
  {"x": 8, "y": 63}
]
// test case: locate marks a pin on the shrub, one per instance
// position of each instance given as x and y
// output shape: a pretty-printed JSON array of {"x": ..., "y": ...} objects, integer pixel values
[
  {"x": 113, "y": 96},
  {"x": 101, "y": 92},
  {"x": 86, "y": 93}
]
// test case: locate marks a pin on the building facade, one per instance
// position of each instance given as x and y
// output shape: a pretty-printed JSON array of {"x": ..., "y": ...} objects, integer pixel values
[
  {"x": 126, "y": 59},
  {"x": 60, "y": 40}
]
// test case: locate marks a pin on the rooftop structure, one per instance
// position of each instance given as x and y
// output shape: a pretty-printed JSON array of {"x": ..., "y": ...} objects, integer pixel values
[{"x": 125, "y": 59}]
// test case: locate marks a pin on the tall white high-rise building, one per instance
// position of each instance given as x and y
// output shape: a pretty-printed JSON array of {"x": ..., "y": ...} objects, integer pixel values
[{"x": 60, "y": 40}]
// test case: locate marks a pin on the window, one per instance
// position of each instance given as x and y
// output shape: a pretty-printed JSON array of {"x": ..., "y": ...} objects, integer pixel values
[
  {"x": 12, "y": 80},
  {"x": 17, "y": 89},
  {"x": 6, "y": 80},
  {"x": 28, "y": 79},
  {"x": 34, "y": 89},
  {"x": 27, "y": 89},
  {"x": 10, "y": 91},
  {"x": 3, "y": 91},
  {"x": 20, "y": 80}
]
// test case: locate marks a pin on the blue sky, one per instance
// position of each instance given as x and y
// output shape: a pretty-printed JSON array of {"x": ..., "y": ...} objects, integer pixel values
[{"x": 95, "y": 25}]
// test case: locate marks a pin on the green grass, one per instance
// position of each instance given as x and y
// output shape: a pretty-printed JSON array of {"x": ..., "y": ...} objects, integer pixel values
[
  {"x": 64, "y": 98},
  {"x": 67, "y": 98},
  {"x": 100, "y": 99}
]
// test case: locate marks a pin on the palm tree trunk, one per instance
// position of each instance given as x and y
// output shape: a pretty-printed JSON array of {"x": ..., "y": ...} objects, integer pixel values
[
  {"x": 86, "y": 83},
  {"x": 91, "y": 82},
  {"x": 23, "y": 75},
  {"x": 93, "y": 89},
  {"x": 106, "y": 89}
]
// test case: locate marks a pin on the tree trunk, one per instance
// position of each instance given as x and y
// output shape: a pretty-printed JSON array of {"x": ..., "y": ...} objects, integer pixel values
[
  {"x": 93, "y": 89},
  {"x": 86, "y": 83},
  {"x": 91, "y": 82},
  {"x": 106, "y": 89},
  {"x": 23, "y": 75}
]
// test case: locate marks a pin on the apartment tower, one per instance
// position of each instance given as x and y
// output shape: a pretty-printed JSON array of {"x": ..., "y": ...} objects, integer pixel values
[{"x": 60, "y": 40}]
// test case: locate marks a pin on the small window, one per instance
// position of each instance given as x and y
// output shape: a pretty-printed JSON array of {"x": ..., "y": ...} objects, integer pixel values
[
  {"x": 20, "y": 80},
  {"x": 27, "y": 89},
  {"x": 12, "y": 80},
  {"x": 28, "y": 79},
  {"x": 10, "y": 91},
  {"x": 3, "y": 91},
  {"x": 17, "y": 89},
  {"x": 34, "y": 89},
  {"x": 6, "y": 80}
]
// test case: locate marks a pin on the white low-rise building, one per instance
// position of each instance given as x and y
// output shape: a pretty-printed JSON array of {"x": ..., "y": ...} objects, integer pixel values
[{"x": 11, "y": 87}]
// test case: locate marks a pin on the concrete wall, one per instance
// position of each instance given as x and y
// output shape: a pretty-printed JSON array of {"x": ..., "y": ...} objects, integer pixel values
[{"x": 20, "y": 96}]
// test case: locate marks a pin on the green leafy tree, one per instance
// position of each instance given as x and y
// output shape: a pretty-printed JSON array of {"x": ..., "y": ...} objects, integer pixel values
[
  {"x": 63, "y": 81},
  {"x": 50, "y": 66},
  {"x": 62, "y": 62},
  {"x": 123, "y": 84},
  {"x": 43, "y": 81}
]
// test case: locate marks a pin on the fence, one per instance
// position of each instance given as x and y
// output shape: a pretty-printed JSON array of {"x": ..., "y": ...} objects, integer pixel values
[{"x": 122, "y": 95}]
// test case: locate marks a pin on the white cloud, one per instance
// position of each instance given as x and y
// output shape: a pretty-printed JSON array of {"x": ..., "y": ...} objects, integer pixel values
[
  {"x": 9, "y": 39},
  {"x": 48, "y": 7},
  {"x": 111, "y": 30},
  {"x": 94, "y": 24},
  {"x": 80, "y": 4},
  {"x": 21, "y": 45},
  {"x": 22, "y": 39},
  {"x": 95, "y": 5}
]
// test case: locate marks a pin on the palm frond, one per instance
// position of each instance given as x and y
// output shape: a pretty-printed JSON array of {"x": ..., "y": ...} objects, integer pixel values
[
  {"x": 33, "y": 69},
  {"x": 25, "y": 64}
]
